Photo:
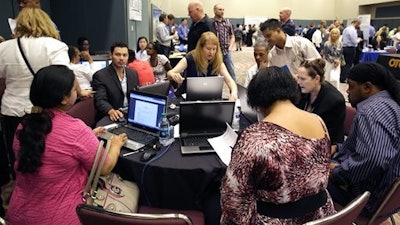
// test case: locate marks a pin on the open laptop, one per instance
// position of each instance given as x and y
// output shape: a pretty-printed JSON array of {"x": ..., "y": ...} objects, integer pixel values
[
  {"x": 204, "y": 88},
  {"x": 143, "y": 118},
  {"x": 160, "y": 88},
  {"x": 249, "y": 115},
  {"x": 96, "y": 65},
  {"x": 200, "y": 120}
]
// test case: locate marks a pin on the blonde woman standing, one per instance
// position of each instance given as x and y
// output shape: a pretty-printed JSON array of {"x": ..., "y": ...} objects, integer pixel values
[{"x": 332, "y": 53}]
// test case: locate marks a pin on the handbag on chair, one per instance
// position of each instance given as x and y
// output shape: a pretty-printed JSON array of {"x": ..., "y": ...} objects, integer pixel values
[{"x": 110, "y": 192}]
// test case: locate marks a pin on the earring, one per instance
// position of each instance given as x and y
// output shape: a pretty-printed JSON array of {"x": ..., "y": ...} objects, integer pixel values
[{"x": 63, "y": 102}]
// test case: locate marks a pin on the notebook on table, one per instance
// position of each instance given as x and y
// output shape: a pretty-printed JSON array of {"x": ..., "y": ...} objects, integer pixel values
[
  {"x": 200, "y": 120},
  {"x": 144, "y": 114},
  {"x": 204, "y": 88}
]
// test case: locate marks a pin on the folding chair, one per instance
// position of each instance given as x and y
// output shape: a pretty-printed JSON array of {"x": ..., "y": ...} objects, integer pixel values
[
  {"x": 89, "y": 215},
  {"x": 350, "y": 112},
  {"x": 84, "y": 110},
  {"x": 345, "y": 216},
  {"x": 389, "y": 205}
]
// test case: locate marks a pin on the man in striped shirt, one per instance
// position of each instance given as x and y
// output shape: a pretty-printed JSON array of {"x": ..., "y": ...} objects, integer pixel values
[{"x": 369, "y": 159}]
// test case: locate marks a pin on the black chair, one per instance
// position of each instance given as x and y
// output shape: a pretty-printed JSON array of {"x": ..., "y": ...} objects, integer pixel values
[{"x": 84, "y": 110}]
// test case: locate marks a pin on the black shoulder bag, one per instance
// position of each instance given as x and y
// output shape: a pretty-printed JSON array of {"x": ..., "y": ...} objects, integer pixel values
[{"x": 23, "y": 56}]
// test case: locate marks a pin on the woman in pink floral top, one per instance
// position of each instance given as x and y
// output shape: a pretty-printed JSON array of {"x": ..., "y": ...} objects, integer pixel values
[
  {"x": 54, "y": 153},
  {"x": 280, "y": 166}
]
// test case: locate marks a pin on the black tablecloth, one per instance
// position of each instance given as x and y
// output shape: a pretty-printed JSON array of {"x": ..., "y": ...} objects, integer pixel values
[
  {"x": 171, "y": 180},
  {"x": 391, "y": 62}
]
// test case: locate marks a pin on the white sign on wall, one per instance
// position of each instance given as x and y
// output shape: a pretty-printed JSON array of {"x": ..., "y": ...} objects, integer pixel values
[{"x": 135, "y": 10}]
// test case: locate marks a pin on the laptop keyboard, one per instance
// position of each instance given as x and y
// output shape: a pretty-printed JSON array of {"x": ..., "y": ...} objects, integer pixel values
[
  {"x": 196, "y": 141},
  {"x": 135, "y": 135}
]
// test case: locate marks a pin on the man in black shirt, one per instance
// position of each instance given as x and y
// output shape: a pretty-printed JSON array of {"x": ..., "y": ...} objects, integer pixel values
[{"x": 200, "y": 23}]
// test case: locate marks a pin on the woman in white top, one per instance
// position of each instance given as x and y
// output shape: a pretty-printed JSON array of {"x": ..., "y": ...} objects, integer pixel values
[
  {"x": 40, "y": 44},
  {"x": 141, "y": 53},
  {"x": 159, "y": 63}
]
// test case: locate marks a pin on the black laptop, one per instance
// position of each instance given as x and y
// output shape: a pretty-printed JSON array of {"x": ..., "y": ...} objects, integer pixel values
[
  {"x": 160, "y": 88},
  {"x": 200, "y": 120},
  {"x": 143, "y": 118}
]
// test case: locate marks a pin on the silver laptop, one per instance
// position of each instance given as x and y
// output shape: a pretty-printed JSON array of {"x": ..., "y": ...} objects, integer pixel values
[
  {"x": 204, "y": 88},
  {"x": 200, "y": 120},
  {"x": 143, "y": 118}
]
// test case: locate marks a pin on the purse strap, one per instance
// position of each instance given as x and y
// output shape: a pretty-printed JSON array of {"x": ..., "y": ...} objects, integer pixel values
[
  {"x": 23, "y": 56},
  {"x": 94, "y": 175},
  {"x": 99, "y": 168}
]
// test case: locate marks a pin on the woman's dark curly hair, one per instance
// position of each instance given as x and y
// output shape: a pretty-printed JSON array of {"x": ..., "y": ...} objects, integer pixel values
[
  {"x": 49, "y": 86},
  {"x": 270, "y": 85}
]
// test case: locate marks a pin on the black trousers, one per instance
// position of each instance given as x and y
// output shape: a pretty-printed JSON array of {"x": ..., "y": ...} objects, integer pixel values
[
  {"x": 9, "y": 125},
  {"x": 349, "y": 53}
]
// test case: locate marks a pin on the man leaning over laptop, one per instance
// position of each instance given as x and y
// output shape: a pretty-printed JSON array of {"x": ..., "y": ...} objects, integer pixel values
[{"x": 113, "y": 84}]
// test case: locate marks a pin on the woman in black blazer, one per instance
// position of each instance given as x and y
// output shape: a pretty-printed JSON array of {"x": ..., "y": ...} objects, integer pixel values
[{"x": 322, "y": 98}]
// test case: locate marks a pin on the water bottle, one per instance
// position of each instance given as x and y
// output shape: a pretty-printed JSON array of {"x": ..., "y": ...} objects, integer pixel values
[
  {"x": 165, "y": 135},
  {"x": 236, "y": 116}
]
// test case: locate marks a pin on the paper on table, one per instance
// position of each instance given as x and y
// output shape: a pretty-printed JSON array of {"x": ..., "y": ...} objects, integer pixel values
[
  {"x": 224, "y": 143},
  {"x": 176, "y": 131},
  {"x": 12, "y": 23}
]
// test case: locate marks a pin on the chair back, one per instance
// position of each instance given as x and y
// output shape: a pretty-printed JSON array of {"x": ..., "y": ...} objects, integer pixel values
[
  {"x": 84, "y": 110},
  {"x": 350, "y": 112},
  {"x": 89, "y": 215},
  {"x": 345, "y": 216},
  {"x": 389, "y": 205}
]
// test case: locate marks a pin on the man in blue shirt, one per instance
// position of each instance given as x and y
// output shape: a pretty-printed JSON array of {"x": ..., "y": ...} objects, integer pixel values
[
  {"x": 288, "y": 25},
  {"x": 350, "y": 41},
  {"x": 369, "y": 159}
]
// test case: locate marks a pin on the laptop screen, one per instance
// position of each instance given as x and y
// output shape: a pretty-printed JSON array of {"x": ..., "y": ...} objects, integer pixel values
[
  {"x": 145, "y": 110},
  {"x": 96, "y": 65},
  {"x": 205, "y": 117}
]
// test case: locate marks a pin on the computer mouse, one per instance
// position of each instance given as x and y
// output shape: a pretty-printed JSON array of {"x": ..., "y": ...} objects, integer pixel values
[
  {"x": 121, "y": 120},
  {"x": 147, "y": 155}
]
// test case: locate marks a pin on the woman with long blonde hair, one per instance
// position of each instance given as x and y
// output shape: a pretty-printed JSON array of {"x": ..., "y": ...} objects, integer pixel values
[
  {"x": 35, "y": 37},
  {"x": 332, "y": 53},
  {"x": 205, "y": 60}
]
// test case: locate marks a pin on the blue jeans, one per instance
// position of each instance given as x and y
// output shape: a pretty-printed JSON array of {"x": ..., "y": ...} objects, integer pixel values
[{"x": 229, "y": 65}]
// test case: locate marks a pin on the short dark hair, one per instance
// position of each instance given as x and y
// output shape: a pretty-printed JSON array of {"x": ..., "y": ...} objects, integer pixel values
[
  {"x": 71, "y": 52},
  {"x": 131, "y": 56},
  {"x": 271, "y": 24},
  {"x": 162, "y": 17},
  {"x": 171, "y": 17},
  {"x": 80, "y": 41},
  {"x": 119, "y": 45},
  {"x": 272, "y": 84}
]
